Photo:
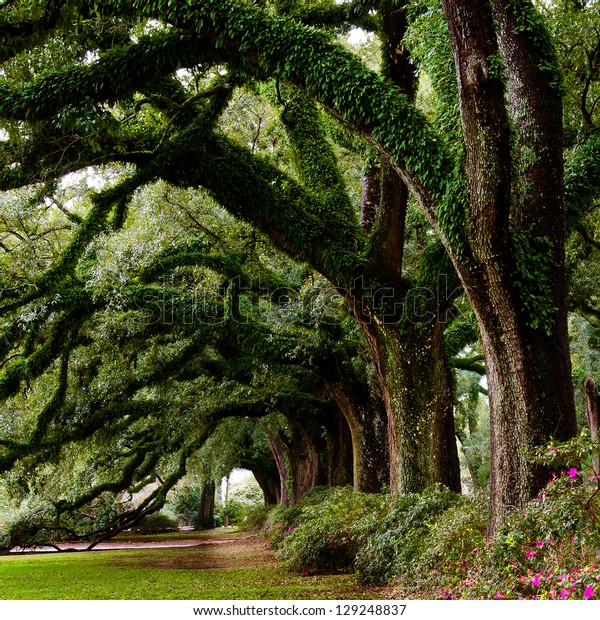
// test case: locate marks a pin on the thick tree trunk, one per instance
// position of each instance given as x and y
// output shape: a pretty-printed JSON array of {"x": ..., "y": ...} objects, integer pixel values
[
  {"x": 529, "y": 404},
  {"x": 365, "y": 414},
  {"x": 339, "y": 451},
  {"x": 270, "y": 485},
  {"x": 206, "y": 510},
  {"x": 303, "y": 459},
  {"x": 417, "y": 391},
  {"x": 297, "y": 458},
  {"x": 526, "y": 346}
]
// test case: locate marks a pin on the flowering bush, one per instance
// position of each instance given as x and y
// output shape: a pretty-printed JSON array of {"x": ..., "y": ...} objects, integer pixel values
[
  {"x": 434, "y": 544},
  {"x": 548, "y": 551}
]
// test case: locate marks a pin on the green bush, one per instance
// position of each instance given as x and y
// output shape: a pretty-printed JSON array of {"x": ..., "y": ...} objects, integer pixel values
[
  {"x": 256, "y": 517},
  {"x": 157, "y": 523},
  {"x": 453, "y": 540},
  {"x": 328, "y": 534},
  {"x": 186, "y": 501},
  {"x": 281, "y": 520},
  {"x": 402, "y": 535},
  {"x": 28, "y": 527}
]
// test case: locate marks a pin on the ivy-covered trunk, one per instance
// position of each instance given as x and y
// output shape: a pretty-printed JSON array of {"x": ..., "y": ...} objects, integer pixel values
[
  {"x": 530, "y": 396},
  {"x": 510, "y": 256},
  {"x": 417, "y": 390}
]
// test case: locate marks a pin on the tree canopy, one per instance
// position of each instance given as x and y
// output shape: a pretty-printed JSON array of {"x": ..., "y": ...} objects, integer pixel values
[{"x": 137, "y": 314}]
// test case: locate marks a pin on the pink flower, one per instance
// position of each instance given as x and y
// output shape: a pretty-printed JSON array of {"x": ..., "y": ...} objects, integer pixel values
[
  {"x": 573, "y": 472},
  {"x": 564, "y": 594},
  {"x": 499, "y": 595},
  {"x": 535, "y": 581},
  {"x": 530, "y": 554},
  {"x": 588, "y": 592},
  {"x": 539, "y": 543}
]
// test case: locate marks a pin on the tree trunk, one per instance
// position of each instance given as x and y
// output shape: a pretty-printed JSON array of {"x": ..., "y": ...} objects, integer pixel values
[
  {"x": 270, "y": 485},
  {"x": 303, "y": 459},
  {"x": 339, "y": 451},
  {"x": 525, "y": 341},
  {"x": 206, "y": 510},
  {"x": 418, "y": 396},
  {"x": 297, "y": 459},
  {"x": 278, "y": 451},
  {"x": 591, "y": 413}
]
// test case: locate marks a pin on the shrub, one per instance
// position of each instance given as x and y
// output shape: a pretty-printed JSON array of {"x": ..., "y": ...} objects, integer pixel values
[
  {"x": 328, "y": 534},
  {"x": 157, "y": 523},
  {"x": 402, "y": 535},
  {"x": 281, "y": 520},
  {"x": 453, "y": 540},
  {"x": 256, "y": 517},
  {"x": 549, "y": 550}
]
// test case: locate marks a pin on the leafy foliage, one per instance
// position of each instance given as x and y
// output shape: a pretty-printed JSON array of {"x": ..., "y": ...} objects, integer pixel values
[
  {"x": 157, "y": 523},
  {"x": 402, "y": 535}
]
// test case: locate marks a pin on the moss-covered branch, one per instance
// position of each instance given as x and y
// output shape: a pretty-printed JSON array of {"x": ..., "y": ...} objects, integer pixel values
[{"x": 118, "y": 73}]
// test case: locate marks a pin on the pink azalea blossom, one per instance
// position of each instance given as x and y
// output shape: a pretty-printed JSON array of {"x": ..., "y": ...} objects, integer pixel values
[
  {"x": 539, "y": 543},
  {"x": 588, "y": 592},
  {"x": 499, "y": 595},
  {"x": 530, "y": 554},
  {"x": 564, "y": 594},
  {"x": 535, "y": 581},
  {"x": 573, "y": 472}
]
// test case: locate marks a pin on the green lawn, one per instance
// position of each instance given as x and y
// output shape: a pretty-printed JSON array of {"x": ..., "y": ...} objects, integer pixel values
[{"x": 232, "y": 570}]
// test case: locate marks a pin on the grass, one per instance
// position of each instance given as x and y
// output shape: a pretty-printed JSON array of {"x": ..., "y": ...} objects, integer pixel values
[{"x": 228, "y": 567}]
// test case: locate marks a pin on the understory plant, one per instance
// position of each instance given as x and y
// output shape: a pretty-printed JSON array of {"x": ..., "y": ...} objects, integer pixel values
[
  {"x": 326, "y": 536},
  {"x": 434, "y": 544},
  {"x": 403, "y": 535},
  {"x": 550, "y": 549}
]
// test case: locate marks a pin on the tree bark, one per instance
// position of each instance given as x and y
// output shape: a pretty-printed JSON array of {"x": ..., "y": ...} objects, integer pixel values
[
  {"x": 365, "y": 415},
  {"x": 591, "y": 414},
  {"x": 418, "y": 396},
  {"x": 527, "y": 364},
  {"x": 339, "y": 451},
  {"x": 278, "y": 450},
  {"x": 206, "y": 510}
]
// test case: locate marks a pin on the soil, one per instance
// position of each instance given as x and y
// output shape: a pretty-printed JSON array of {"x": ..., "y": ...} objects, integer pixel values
[{"x": 225, "y": 552}]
